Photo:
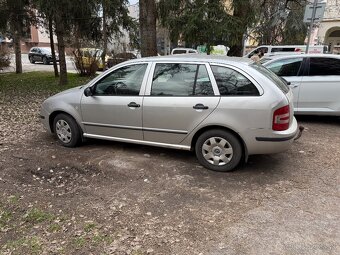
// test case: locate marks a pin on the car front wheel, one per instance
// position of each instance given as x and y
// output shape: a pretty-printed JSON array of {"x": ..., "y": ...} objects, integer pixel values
[
  {"x": 31, "y": 60},
  {"x": 218, "y": 150},
  {"x": 67, "y": 130},
  {"x": 45, "y": 61}
]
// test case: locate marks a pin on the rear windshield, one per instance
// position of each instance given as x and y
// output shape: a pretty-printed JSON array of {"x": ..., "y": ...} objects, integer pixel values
[
  {"x": 279, "y": 82},
  {"x": 179, "y": 52}
]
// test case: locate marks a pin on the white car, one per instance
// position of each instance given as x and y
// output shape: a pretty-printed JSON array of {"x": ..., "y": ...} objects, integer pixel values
[
  {"x": 177, "y": 51},
  {"x": 314, "y": 79},
  {"x": 222, "y": 108}
]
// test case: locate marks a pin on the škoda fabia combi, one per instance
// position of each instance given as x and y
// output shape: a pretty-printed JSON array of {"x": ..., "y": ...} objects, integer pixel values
[{"x": 222, "y": 108}]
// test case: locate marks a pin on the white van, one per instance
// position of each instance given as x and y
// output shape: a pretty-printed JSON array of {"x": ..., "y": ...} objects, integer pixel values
[{"x": 270, "y": 50}]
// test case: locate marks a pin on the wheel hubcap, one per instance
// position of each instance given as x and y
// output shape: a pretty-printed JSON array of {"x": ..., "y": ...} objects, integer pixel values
[
  {"x": 63, "y": 131},
  {"x": 217, "y": 151}
]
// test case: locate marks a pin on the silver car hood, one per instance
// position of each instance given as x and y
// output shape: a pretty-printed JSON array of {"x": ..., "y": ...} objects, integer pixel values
[{"x": 68, "y": 91}]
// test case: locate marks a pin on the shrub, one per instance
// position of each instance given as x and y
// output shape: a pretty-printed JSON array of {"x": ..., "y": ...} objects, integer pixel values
[
  {"x": 86, "y": 62},
  {"x": 5, "y": 57}
]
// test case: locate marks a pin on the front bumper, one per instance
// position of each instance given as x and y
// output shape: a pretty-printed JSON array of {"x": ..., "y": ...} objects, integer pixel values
[{"x": 44, "y": 119}]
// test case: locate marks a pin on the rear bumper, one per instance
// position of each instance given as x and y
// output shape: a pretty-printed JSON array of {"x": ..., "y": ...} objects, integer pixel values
[
  {"x": 275, "y": 142},
  {"x": 275, "y": 139}
]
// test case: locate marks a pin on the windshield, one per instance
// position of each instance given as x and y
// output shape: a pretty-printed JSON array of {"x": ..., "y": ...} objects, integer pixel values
[{"x": 280, "y": 83}]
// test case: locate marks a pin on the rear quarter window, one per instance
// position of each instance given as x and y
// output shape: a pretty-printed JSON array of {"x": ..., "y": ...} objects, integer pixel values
[
  {"x": 233, "y": 83},
  {"x": 279, "y": 82}
]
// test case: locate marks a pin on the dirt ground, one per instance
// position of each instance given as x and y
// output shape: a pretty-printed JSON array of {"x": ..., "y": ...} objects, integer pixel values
[{"x": 115, "y": 198}]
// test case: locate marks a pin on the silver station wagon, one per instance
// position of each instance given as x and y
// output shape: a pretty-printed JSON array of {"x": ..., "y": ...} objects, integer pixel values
[{"x": 222, "y": 108}]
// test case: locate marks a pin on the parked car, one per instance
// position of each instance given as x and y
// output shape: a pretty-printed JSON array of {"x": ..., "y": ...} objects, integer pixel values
[
  {"x": 314, "y": 78},
  {"x": 272, "y": 50},
  {"x": 177, "y": 51},
  {"x": 222, "y": 108},
  {"x": 41, "y": 54},
  {"x": 119, "y": 58},
  {"x": 90, "y": 56}
]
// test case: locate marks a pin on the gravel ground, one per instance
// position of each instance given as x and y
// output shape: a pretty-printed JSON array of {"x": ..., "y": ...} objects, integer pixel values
[{"x": 114, "y": 198}]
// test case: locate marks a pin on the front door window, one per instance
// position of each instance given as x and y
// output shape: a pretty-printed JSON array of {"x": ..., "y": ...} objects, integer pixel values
[{"x": 125, "y": 81}]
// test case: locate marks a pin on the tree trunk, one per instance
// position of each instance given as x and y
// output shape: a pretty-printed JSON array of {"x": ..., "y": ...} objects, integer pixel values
[
  {"x": 105, "y": 39},
  {"x": 50, "y": 30},
  {"x": 147, "y": 20},
  {"x": 17, "y": 31},
  {"x": 61, "y": 48},
  {"x": 17, "y": 49},
  {"x": 237, "y": 49},
  {"x": 240, "y": 12}
]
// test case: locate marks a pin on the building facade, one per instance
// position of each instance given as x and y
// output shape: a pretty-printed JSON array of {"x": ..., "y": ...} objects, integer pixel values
[
  {"x": 329, "y": 29},
  {"x": 36, "y": 37}
]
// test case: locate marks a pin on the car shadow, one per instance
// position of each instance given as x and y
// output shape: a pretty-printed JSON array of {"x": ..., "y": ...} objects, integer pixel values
[
  {"x": 332, "y": 120},
  {"x": 260, "y": 169}
]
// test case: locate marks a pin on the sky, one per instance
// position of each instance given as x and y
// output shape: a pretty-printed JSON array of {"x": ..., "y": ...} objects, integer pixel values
[{"x": 133, "y": 1}]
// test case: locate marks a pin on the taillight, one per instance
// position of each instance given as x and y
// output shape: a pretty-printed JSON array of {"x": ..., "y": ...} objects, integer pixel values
[{"x": 281, "y": 118}]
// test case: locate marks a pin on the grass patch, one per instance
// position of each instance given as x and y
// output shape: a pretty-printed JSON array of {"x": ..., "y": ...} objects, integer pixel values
[
  {"x": 36, "y": 216},
  {"x": 37, "y": 82},
  {"x": 23, "y": 246},
  {"x": 5, "y": 217},
  {"x": 89, "y": 226},
  {"x": 54, "y": 228},
  {"x": 79, "y": 242},
  {"x": 12, "y": 199},
  {"x": 98, "y": 239}
]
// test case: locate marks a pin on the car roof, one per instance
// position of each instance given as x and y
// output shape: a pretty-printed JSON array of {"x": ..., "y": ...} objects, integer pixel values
[
  {"x": 43, "y": 48},
  {"x": 309, "y": 55},
  {"x": 182, "y": 48},
  {"x": 198, "y": 58}
]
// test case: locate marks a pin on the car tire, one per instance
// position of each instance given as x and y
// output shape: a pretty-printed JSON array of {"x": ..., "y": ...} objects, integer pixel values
[
  {"x": 31, "y": 60},
  {"x": 67, "y": 130},
  {"x": 45, "y": 61},
  {"x": 218, "y": 150}
]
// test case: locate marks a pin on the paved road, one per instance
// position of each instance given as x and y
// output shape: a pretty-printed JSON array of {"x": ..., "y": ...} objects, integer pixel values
[{"x": 28, "y": 67}]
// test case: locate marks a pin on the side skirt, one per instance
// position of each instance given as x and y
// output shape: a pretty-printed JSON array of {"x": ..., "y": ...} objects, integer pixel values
[{"x": 126, "y": 140}]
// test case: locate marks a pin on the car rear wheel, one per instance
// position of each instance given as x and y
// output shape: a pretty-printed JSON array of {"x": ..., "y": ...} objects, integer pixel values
[
  {"x": 45, "y": 61},
  {"x": 218, "y": 150},
  {"x": 67, "y": 130},
  {"x": 31, "y": 60}
]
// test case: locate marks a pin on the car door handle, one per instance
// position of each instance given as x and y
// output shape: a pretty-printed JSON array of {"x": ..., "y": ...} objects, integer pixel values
[
  {"x": 133, "y": 104},
  {"x": 294, "y": 85},
  {"x": 200, "y": 107}
]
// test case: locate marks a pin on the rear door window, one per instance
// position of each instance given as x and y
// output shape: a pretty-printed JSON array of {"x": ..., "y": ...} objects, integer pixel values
[
  {"x": 233, "y": 83},
  {"x": 324, "y": 66},
  {"x": 286, "y": 67},
  {"x": 181, "y": 80}
]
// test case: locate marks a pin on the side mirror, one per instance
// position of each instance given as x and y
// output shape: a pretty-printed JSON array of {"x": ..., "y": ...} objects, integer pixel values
[{"x": 88, "y": 92}]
